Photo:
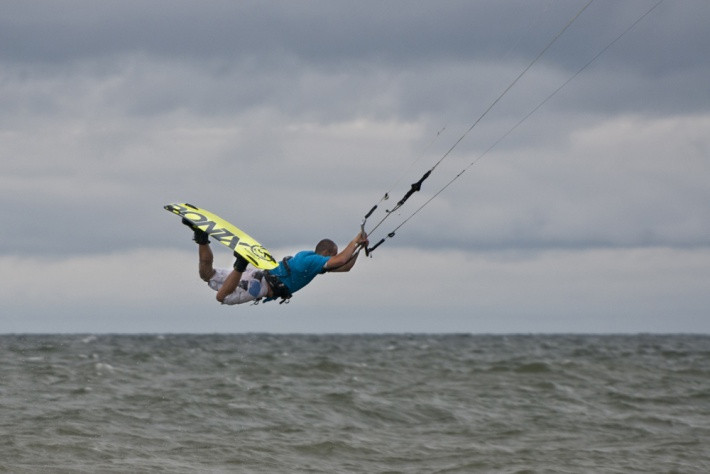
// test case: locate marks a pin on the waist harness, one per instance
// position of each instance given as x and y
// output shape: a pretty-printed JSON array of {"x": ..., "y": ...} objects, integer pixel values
[{"x": 278, "y": 288}]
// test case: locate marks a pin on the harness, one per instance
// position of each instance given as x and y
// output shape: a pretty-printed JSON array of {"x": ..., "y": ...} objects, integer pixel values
[{"x": 278, "y": 288}]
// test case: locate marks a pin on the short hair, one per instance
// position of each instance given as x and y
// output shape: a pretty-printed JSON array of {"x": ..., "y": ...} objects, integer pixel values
[{"x": 326, "y": 247}]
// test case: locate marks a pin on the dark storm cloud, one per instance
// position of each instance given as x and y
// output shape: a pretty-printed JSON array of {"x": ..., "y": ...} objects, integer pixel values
[
  {"x": 303, "y": 57},
  {"x": 318, "y": 32},
  {"x": 332, "y": 32}
]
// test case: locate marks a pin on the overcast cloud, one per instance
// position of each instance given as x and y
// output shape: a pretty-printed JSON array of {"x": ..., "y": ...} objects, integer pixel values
[{"x": 291, "y": 119}]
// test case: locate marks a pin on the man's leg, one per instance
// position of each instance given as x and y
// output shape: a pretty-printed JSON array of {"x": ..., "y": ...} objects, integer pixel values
[
  {"x": 229, "y": 286},
  {"x": 204, "y": 252},
  {"x": 206, "y": 260},
  {"x": 232, "y": 281}
]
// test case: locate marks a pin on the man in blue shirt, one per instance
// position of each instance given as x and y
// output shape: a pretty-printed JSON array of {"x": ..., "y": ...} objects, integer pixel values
[{"x": 242, "y": 284}]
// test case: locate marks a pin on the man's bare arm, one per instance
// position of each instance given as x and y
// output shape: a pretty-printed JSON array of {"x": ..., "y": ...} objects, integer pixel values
[{"x": 345, "y": 260}]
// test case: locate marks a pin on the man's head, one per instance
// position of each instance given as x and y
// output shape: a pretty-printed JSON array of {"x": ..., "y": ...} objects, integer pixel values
[{"x": 327, "y": 248}]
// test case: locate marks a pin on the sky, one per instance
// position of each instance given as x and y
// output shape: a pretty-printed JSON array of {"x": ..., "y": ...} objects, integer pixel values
[{"x": 292, "y": 119}]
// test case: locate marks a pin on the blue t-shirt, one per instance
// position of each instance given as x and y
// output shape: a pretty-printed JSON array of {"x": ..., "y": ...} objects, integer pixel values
[{"x": 304, "y": 267}]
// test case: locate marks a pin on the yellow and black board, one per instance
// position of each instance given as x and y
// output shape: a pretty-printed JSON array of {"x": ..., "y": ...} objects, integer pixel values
[{"x": 226, "y": 233}]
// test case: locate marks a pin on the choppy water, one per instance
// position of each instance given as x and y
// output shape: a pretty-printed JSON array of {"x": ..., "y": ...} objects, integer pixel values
[{"x": 265, "y": 403}]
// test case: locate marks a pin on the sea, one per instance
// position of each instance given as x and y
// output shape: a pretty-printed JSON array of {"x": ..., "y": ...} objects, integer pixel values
[{"x": 392, "y": 403}]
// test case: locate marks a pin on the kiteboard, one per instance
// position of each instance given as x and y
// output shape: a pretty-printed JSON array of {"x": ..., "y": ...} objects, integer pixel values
[{"x": 225, "y": 233}]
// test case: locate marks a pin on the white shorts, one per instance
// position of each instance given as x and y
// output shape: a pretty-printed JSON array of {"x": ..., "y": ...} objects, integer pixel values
[{"x": 252, "y": 285}]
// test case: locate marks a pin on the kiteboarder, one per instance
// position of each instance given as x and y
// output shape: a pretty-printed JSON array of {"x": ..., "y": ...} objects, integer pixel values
[{"x": 242, "y": 285}]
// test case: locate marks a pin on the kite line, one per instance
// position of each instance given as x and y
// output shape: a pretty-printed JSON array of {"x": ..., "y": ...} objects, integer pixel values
[{"x": 415, "y": 187}]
